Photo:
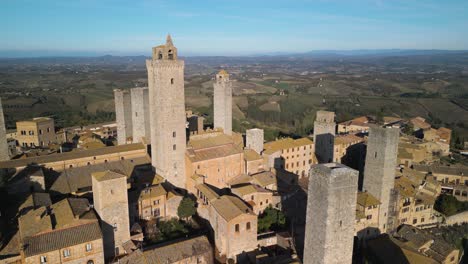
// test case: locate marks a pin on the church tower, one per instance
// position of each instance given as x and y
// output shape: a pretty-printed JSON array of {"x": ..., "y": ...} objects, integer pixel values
[
  {"x": 167, "y": 113},
  {"x": 222, "y": 102}
]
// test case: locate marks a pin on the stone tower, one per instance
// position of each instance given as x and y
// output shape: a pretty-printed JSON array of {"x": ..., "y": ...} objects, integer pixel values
[
  {"x": 167, "y": 113},
  {"x": 222, "y": 102},
  {"x": 254, "y": 139},
  {"x": 331, "y": 213},
  {"x": 3, "y": 139},
  {"x": 324, "y": 136},
  {"x": 111, "y": 204},
  {"x": 140, "y": 114},
  {"x": 380, "y": 166},
  {"x": 123, "y": 115}
]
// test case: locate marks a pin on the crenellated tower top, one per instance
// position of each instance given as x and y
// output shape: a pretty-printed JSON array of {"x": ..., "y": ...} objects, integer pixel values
[{"x": 165, "y": 52}]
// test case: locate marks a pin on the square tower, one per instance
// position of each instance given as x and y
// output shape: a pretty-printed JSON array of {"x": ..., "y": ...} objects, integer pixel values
[
  {"x": 324, "y": 136},
  {"x": 3, "y": 139},
  {"x": 254, "y": 139},
  {"x": 123, "y": 116},
  {"x": 380, "y": 166},
  {"x": 140, "y": 114},
  {"x": 167, "y": 113},
  {"x": 111, "y": 204},
  {"x": 222, "y": 102},
  {"x": 331, "y": 214}
]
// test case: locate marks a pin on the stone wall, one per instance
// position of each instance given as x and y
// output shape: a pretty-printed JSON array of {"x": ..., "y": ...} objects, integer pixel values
[
  {"x": 222, "y": 102},
  {"x": 123, "y": 115},
  {"x": 167, "y": 115},
  {"x": 331, "y": 209},
  {"x": 324, "y": 135},
  {"x": 3, "y": 139},
  {"x": 254, "y": 139},
  {"x": 140, "y": 114},
  {"x": 379, "y": 170}
]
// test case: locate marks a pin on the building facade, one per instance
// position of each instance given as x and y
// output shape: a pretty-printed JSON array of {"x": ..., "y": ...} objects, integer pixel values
[
  {"x": 324, "y": 136},
  {"x": 123, "y": 116},
  {"x": 37, "y": 132}
]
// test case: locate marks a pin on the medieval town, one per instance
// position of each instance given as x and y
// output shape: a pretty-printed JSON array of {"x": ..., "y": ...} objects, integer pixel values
[{"x": 176, "y": 190}]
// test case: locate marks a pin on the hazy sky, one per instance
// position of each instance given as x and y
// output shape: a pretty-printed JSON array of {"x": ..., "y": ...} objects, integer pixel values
[{"x": 234, "y": 27}]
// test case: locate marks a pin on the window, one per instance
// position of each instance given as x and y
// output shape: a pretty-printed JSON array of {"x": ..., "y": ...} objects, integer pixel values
[
  {"x": 48, "y": 129},
  {"x": 155, "y": 202},
  {"x": 66, "y": 253},
  {"x": 422, "y": 220},
  {"x": 115, "y": 227},
  {"x": 248, "y": 226},
  {"x": 90, "y": 262},
  {"x": 375, "y": 155},
  {"x": 70, "y": 166},
  {"x": 40, "y": 131},
  {"x": 174, "y": 134},
  {"x": 252, "y": 197},
  {"x": 266, "y": 200},
  {"x": 160, "y": 56},
  {"x": 43, "y": 259},
  {"x": 415, "y": 221},
  {"x": 174, "y": 147},
  {"x": 369, "y": 217},
  {"x": 172, "y": 80},
  {"x": 89, "y": 247},
  {"x": 156, "y": 212},
  {"x": 237, "y": 227}
]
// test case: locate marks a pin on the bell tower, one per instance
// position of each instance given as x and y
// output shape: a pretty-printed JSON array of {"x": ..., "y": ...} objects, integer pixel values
[{"x": 167, "y": 113}]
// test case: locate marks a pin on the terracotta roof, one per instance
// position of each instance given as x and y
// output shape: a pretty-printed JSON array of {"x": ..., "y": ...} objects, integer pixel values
[
  {"x": 62, "y": 238},
  {"x": 209, "y": 193},
  {"x": 230, "y": 207},
  {"x": 247, "y": 189},
  {"x": 347, "y": 139},
  {"x": 214, "y": 152},
  {"x": 358, "y": 121},
  {"x": 107, "y": 175},
  {"x": 436, "y": 169},
  {"x": 405, "y": 186},
  {"x": 286, "y": 143},
  {"x": 37, "y": 120},
  {"x": 366, "y": 199},
  {"x": 239, "y": 179},
  {"x": 250, "y": 155},
  {"x": 71, "y": 155},
  {"x": 420, "y": 122},
  {"x": 152, "y": 192},
  {"x": 264, "y": 178}
]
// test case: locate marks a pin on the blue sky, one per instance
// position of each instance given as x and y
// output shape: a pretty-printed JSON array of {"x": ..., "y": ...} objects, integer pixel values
[{"x": 240, "y": 27}]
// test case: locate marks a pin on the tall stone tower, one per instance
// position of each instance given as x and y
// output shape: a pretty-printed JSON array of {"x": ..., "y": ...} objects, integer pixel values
[
  {"x": 254, "y": 139},
  {"x": 331, "y": 213},
  {"x": 222, "y": 102},
  {"x": 140, "y": 114},
  {"x": 3, "y": 139},
  {"x": 324, "y": 136},
  {"x": 379, "y": 170},
  {"x": 123, "y": 115},
  {"x": 167, "y": 113},
  {"x": 111, "y": 204}
]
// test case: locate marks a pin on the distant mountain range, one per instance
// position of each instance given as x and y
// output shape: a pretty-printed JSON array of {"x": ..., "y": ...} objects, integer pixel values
[{"x": 314, "y": 53}]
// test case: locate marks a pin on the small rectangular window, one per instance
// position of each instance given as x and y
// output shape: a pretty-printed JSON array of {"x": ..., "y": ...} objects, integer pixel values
[
  {"x": 174, "y": 134},
  {"x": 89, "y": 247},
  {"x": 43, "y": 259},
  {"x": 66, "y": 253},
  {"x": 174, "y": 147}
]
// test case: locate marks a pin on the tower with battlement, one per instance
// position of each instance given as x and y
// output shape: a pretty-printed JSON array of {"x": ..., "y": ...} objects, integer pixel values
[
  {"x": 380, "y": 166},
  {"x": 331, "y": 213},
  {"x": 111, "y": 204},
  {"x": 123, "y": 116},
  {"x": 140, "y": 114},
  {"x": 324, "y": 136},
  {"x": 167, "y": 113},
  {"x": 222, "y": 102}
]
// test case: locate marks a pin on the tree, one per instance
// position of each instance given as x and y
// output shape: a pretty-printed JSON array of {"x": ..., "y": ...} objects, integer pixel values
[
  {"x": 186, "y": 208},
  {"x": 271, "y": 219},
  {"x": 449, "y": 205}
]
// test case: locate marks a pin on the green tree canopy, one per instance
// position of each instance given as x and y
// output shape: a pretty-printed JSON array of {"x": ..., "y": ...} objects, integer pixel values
[
  {"x": 186, "y": 208},
  {"x": 449, "y": 205},
  {"x": 271, "y": 219}
]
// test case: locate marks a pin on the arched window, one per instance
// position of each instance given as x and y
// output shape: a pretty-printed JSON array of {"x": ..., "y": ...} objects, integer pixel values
[
  {"x": 90, "y": 262},
  {"x": 160, "y": 56},
  {"x": 170, "y": 55}
]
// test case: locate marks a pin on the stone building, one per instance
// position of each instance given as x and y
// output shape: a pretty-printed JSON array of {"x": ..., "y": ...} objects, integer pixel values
[
  {"x": 331, "y": 213},
  {"x": 411, "y": 245},
  {"x": 293, "y": 155},
  {"x": 167, "y": 113},
  {"x": 357, "y": 125},
  {"x": 37, "y": 132},
  {"x": 111, "y": 204},
  {"x": 4, "y": 152},
  {"x": 367, "y": 216},
  {"x": 254, "y": 139},
  {"x": 132, "y": 115},
  {"x": 324, "y": 136},
  {"x": 343, "y": 143},
  {"x": 216, "y": 156},
  {"x": 140, "y": 114},
  {"x": 379, "y": 171},
  {"x": 253, "y": 162},
  {"x": 71, "y": 231},
  {"x": 222, "y": 102},
  {"x": 123, "y": 116},
  {"x": 257, "y": 197},
  {"x": 157, "y": 202},
  {"x": 234, "y": 224}
]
